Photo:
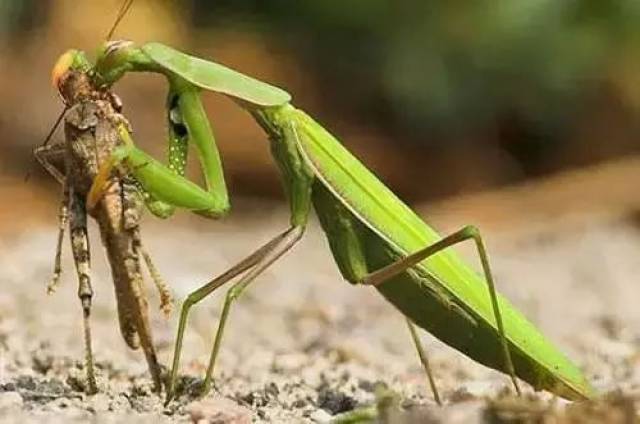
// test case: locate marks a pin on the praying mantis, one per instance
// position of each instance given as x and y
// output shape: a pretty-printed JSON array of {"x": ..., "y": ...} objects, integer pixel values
[{"x": 376, "y": 240}]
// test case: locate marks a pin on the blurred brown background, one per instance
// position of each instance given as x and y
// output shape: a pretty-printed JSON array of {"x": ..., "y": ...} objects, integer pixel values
[
  {"x": 508, "y": 114},
  {"x": 439, "y": 98}
]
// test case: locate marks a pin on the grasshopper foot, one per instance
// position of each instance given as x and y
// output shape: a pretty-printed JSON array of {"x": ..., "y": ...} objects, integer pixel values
[{"x": 53, "y": 284}]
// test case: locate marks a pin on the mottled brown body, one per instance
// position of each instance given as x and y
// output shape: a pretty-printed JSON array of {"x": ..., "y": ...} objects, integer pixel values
[{"x": 91, "y": 134}]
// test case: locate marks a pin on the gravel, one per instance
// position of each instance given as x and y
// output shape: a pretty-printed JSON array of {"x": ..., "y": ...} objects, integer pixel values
[{"x": 303, "y": 346}]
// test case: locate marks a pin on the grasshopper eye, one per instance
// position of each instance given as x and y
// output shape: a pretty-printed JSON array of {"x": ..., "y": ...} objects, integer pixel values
[{"x": 61, "y": 67}]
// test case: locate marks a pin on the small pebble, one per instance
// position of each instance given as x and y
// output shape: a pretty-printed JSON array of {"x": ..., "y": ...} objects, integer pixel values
[
  {"x": 10, "y": 400},
  {"x": 289, "y": 362},
  {"x": 218, "y": 411},
  {"x": 473, "y": 390},
  {"x": 320, "y": 416},
  {"x": 99, "y": 403}
]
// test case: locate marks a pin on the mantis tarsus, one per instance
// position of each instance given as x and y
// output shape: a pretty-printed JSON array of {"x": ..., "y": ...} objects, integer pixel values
[{"x": 376, "y": 240}]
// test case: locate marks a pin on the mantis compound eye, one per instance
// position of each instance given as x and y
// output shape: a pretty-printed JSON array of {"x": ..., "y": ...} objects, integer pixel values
[
  {"x": 116, "y": 102},
  {"x": 112, "y": 52},
  {"x": 112, "y": 47}
]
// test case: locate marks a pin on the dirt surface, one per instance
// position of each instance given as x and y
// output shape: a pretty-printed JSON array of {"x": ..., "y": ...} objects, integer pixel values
[{"x": 302, "y": 345}]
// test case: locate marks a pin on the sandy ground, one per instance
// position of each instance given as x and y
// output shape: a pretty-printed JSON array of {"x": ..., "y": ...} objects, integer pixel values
[{"x": 303, "y": 345}]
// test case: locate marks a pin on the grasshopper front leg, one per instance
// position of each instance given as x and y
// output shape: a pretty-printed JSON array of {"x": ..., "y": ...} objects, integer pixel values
[
  {"x": 63, "y": 218},
  {"x": 51, "y": 158}
]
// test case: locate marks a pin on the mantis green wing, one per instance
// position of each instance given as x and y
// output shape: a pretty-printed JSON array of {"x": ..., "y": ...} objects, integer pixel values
[
  {"x": 215, "y": 77},
  {"x": 537, "y": 360}
]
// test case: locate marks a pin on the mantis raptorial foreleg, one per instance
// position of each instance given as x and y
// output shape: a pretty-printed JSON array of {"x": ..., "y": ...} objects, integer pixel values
[
  {"x": 257, "y": 262},
  {"x": 82, "y": 258},
  {"x": 467, "y": 233},
  {"x": 160, "y": 181},
  {"x": 165, "y": 184}
]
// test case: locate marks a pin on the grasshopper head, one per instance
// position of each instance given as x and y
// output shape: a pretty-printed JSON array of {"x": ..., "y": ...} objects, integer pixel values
[
  {"x": 70, "y": 76},
  {"x": 71, "y": 60}
]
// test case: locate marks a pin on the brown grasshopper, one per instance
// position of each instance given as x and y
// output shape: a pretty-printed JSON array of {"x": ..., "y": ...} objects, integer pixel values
[{"x": 91, "y": 133}]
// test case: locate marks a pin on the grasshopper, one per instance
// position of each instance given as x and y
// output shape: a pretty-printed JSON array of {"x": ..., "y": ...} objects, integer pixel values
[
  {"x": 376, "y": 240},
  {"x": 92, "y": 118}
]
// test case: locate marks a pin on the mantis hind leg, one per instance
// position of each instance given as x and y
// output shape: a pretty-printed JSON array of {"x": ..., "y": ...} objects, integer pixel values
[
  {"x": 424, "y": 359},
  {"x": 350, "y": 255},
  {"x": 467, "y": 233}
]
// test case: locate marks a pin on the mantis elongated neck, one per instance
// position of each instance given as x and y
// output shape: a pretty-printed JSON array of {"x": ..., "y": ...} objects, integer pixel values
[{"x": 272, "y": 119}]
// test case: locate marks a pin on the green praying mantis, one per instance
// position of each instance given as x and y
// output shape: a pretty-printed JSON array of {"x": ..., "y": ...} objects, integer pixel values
[{"x": 376, "y": 240}]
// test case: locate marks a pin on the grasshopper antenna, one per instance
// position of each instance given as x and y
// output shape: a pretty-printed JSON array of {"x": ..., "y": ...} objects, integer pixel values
[
  {"x": 48, "y": 138},
  {"x": 126, "y": 5},
  {"x": 55, "y": 126},
  {"x": 121, "y": 14}
]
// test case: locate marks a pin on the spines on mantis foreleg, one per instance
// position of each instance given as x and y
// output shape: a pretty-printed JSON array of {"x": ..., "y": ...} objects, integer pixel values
[
  {"x": 177, "y": 152},
  {"x": 178, "y": 135}
]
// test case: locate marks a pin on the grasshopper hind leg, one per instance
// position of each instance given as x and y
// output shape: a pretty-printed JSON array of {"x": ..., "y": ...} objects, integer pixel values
[
  {"x": 164, "y": 291},
  {"x": 136, "y": 300},
  {"x": 82, "y": 259}
]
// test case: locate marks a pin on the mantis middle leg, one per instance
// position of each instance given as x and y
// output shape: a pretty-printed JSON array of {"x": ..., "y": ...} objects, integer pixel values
[{"x": 253, "y": 265}]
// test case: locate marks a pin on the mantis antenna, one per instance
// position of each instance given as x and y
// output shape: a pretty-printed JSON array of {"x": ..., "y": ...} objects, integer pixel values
[{"x": 121, "y": 14}]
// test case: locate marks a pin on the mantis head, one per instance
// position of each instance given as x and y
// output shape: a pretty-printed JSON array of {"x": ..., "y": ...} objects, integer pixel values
[{"x": 113, "y": 60}]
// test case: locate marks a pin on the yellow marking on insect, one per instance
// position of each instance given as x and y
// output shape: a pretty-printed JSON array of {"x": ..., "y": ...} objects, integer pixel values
[
  {"x": 61, "y": 67},
  {"x": 100, "y": 182},
  {"x": 99, "y": 186}
]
